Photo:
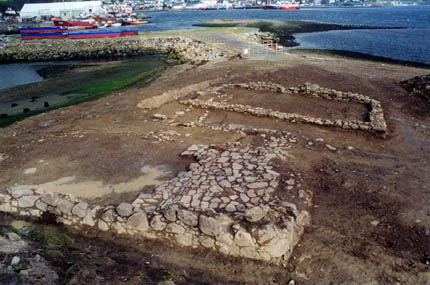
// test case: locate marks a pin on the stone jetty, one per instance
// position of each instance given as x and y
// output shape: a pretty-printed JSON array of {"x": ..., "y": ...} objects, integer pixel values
[{"x": 15, "y": 51}]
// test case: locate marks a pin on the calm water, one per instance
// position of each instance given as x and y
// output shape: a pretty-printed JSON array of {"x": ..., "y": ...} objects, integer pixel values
[
  {"x": 412, "y": 43},
  {"x": 17, "y": 74}
]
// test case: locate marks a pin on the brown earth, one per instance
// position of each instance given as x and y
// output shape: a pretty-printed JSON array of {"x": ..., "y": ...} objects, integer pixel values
[{"x": 371, "y": 216}]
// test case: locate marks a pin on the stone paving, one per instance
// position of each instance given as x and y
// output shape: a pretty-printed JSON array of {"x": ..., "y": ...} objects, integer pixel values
[{"x": 226, "y": 202}]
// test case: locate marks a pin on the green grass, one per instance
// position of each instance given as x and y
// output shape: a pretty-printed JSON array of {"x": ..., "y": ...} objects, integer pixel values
[
  {"x": 109, "y": 86},
  {"x": 99, "y": 89}
]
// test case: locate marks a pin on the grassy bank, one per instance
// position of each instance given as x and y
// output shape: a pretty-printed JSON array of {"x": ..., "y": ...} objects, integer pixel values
[
  {"x": 360, "y": 56},
  {"x": 284, "y": 30},
  {"x": 94, "y": 84}
]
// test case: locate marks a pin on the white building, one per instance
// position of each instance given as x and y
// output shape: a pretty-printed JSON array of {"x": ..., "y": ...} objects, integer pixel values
[{"x": 65, "y": 10}]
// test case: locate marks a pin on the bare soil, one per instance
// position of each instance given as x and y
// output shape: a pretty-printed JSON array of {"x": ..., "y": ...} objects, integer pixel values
[
  {"x": 371, "y": 216},
  {"x": 300, "y": 104}
]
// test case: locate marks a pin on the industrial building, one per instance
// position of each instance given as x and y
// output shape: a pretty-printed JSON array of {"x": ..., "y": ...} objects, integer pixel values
[{"x": 65, "y": 10}]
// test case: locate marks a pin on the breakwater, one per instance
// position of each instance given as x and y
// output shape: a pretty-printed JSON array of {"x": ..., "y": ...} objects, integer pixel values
[{"x": 178, "y": 48}]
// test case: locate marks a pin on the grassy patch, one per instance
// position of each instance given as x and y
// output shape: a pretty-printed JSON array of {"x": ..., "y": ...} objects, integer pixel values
[
  {"x": 98, "y": 84},
  {"x": 106, "y": 87}
]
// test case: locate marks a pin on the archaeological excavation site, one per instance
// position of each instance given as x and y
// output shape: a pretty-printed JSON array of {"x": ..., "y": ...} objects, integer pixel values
[{"x": 230, "y": 171}]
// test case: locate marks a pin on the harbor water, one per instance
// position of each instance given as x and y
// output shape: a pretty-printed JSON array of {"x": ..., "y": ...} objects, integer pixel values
[{"x": 411, "y": 43}]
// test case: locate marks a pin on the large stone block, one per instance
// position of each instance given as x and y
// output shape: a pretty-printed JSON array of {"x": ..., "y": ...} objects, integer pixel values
[
  {"x": 18, "y": 193},
  {"x": 184, "y": 239},
  {"x": 27, "y": 201},
  {"x": 65, "y": 206},
  {"x": 157, "y": 224},
  {"x": 243, "y": 239},
  {"x": 138, "y": 222},
  {"x": 210, "y": 226},
  {"x": 50, "y": 198},
  {"x": 124, "y": 209},
  {"x": 174, "y": 228},
  {"x": 256, "y": 214},
  {"x": 41, "y": 206},
  {"x": 80, "y": 209},
  {"x": 189, "y": 218}
]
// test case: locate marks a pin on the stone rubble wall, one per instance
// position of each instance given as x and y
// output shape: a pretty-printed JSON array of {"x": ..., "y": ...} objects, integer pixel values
[
  {"x": 226, "y": 202},
  {"x": 171, "y": 95},
  {"x": 15, "y": 51},
  {"x": 377, "y": 122}
]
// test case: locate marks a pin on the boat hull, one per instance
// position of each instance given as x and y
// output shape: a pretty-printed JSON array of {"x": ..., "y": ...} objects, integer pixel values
[
  {"x": 291, "y": 8},
  {"x": 40, "y": 36},
  {"x": 271, "y": 7},
  {"x": 39, "y": 30},
  {"x": 74, "y": 23},
  {"x": 80, "y": 35}
]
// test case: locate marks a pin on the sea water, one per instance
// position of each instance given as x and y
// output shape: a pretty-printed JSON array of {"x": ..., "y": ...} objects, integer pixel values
[{"x": 412, "y": 43}]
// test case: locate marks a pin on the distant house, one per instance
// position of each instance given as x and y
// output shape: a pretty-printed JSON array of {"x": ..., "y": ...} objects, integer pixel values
[{"x": 65, "y": 10}]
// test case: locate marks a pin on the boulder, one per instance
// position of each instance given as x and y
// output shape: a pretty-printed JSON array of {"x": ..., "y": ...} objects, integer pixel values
[
  {"x": 277, "y": 247},
  {"x": 50, "y": 198},
  {"x": 171, "y": 214},
  {"x": 108, "y": 216},
  {"x": 18, "y": 193},
  {"x": 157, "y": 223},
  {"x": 184, "y": 239},
  {"x": 174, "y": 228},
  {"x": 65, "y": 206},
  {"x": 138, "y": 222},
  {"x": 210, "y": 226},
  {"x": 27, "y": 201},
  {"x": 124, "y": 209},
  {"x": 243, "y": 239},
  {"x": 103, "y": 226},
  {"x": 256, "y": 214},
  {"x": 189, "y": 218},
  {"x": 41, "y": 206},
  {"x": 88, "y": 220},
  {"x": 80, "y": 209}
]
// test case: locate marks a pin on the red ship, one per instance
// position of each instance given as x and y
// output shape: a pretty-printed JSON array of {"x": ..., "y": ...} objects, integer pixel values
[{"x": 75, "y": 23}]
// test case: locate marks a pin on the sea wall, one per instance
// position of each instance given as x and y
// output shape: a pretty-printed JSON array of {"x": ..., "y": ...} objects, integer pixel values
[
  {"x": 15, "y": 51},
  {"x": 227, "y": 202}
]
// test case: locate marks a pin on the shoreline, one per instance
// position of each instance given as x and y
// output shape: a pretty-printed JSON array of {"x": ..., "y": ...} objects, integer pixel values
[
  {"x": 285, "y": 30},
  {"x": 284, "y": 34},
  {"x": 361, "y": 56}
]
